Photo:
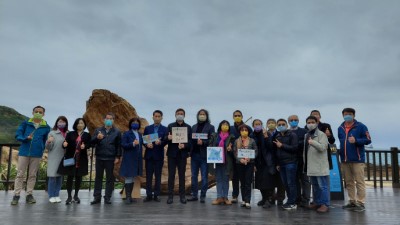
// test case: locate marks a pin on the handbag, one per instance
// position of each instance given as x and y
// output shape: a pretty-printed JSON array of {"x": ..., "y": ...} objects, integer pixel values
[{"x": 68, "y": 162}]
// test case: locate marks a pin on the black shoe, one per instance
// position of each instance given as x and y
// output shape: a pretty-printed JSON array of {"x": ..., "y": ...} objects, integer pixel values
[
  {"x": 170, "y": 201},
  {"x": 15, "y": 200},
  {"x": 157, "y": 199},
  {"x": 271, "y": 202},
  {"x": 128, "y": 191},
  {"x": 280, "y": 203},
  {"x": 202, "y": 199},
  {"x": 77, "y": 200},
  {"x": 30, "y": 199},
  {"x": 266, "y": 205},
  {"x": 261, "y": 203},
  {"x": 192, "y": 199},
  {"x": 68, "y": 201},
  {"x": 183, "y": 200},
  {"x": 148, "y": 199},
  {"x": 95, "y": 201},
  {"x": 107, "y": 201}
]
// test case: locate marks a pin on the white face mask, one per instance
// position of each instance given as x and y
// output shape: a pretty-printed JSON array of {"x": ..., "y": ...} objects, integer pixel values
[
  {"x": 311, "y": 126},
  {"x": 180, "y": 117},
  {"x": 202, "y": 118}
]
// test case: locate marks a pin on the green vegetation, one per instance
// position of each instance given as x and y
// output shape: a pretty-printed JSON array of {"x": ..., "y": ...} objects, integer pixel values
[{"x": 9, "y": 122}]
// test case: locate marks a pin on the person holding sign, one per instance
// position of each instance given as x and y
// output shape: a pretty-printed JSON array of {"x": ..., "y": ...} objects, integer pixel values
[
  {"x": 316, "y": 164},
  {"x": 238, "y": 121},
  {"x": 154, "y": 156},
  {"x": 265, "y": 167},
  {"x": 353, "y": 136},
  {"x": 76, "y": 145},
  {"x": 286, "y": 147},
  {"x": 245, "y": 151},
  {"x": 198, "y": 154},
  {"x": 222, "y": 171},
  {"x": 177, "y": 153},
  {"x": 132, "y": 161}
]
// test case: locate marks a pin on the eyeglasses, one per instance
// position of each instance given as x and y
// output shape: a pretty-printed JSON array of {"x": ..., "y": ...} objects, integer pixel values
[{"x": 237, "y": 116}]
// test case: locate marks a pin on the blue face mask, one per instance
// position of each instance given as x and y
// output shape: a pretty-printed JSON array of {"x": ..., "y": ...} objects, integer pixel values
[
  {"x": 294, "y": 123},
  {"x": 281, "y": 129},
  {"x": 348, "y": 118},
  {"x": 134, "y": 126},
  {"x": 108, "y": 123}
]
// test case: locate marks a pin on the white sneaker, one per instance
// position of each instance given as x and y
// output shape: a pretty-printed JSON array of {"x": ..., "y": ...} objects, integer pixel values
[
  {"x": 52, "y": 200},
  {"x": 58, "y": 199}
]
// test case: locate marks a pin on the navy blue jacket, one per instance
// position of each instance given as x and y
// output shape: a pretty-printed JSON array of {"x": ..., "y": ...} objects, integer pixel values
[
  {"x": 132, "y": 160},
  {"x": 353, "y": 152},
  {"x": 208, "y": 129},
  {"x": 301, "y": 133},
  {"x": 173, "y": 150},
  {"x": 157, "y": 152},
  {"x": 288, "y": 152}
]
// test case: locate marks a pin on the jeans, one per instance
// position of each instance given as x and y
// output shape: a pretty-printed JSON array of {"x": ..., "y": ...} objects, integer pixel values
[
  {"x": 288, "y": 176},
  {"x": 246, "y": 174},
  {"x": 54, "y": 186},
  {"x": 222, "y": 181},
  {"x": 101, "y": 166},
  {"x": 320, "y": 190},
  {"x": 198, "y": 163}
]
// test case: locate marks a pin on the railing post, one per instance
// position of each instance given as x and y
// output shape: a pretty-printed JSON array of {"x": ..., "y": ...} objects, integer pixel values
[{"x": 395, "y": 167}]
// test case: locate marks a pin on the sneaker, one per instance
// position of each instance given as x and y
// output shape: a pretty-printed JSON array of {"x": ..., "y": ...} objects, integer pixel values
[
  {"x": 243, "y": 204},
  {"x": 247, "y": 205},
  {"x": 289, "y": 207},
  {"x": 58, "y": 199},
  {"x": 15, "y": 200},
  {"x": 234, "y": 200},
  {"x": 30, "y": 199},
  {"x": 52, "y": 200},
  {"x": 349, "y": 206},
  {"x": 359, "y": 207}
]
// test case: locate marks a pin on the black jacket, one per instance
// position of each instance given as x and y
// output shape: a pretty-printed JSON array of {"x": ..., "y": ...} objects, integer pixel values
[
  {"x": 173, "y": 150},
  {"x": 109, "y": 147},
  {"x": 202, "y": 149},
  {"x": 288, "y": 152},
  {"x": 300, "y": 132}
]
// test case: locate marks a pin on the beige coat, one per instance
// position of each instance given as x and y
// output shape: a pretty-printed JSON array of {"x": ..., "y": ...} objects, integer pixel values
[{"x": 317, "y": 161}]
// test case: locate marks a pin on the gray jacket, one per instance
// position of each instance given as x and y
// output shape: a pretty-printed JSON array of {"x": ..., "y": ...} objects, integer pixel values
[
  {"x": 317, "y": 162},
  {"x": 56, "y": 153}
]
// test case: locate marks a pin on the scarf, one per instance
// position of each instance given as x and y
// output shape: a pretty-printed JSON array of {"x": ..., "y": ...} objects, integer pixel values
[
  {"x": 223, "y": 137},
  {"x": 78, "y": 150}
]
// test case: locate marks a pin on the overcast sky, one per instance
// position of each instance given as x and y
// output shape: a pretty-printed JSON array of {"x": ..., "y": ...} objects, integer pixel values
[{"x": 266, "y": 58}]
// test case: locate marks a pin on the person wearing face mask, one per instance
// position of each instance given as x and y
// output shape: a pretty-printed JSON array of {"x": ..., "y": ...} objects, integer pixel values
[
  {"x": 302, "y": 180},
  {"x": 353, "y": 136},
  {"x": 222, "y": 171},
  {"x": 154, "y": 157},
  {"x": 107, "y": 142},
  {"x": 54, "y": 145},
  {"x": 76, "y": 144},
  {"x": 177, "y": 154},
  {"x": 264, "y": 164},
  {"x": 198, "y": 155},
  {"x": 279, "y": 195},
  {"x": 132, "y": 161},
  {"x": 32, "y": 134},
  {"x": 238, "y": 121},
  {"x": 245, "y": 165},
  {"x": 316, "y": 164},
  {"x": 286, "y": 147}
]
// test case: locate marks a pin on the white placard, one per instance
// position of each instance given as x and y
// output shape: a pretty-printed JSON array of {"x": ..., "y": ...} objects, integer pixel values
[
  {"x": 215, "y": 155},
  {"x": 179, "y": 135},
  {"x": 246, "y": 153},
  {"x": 203, "y": 136}
]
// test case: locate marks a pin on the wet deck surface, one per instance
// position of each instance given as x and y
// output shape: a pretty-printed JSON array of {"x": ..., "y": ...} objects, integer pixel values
[{"x": 382, "y": 207}]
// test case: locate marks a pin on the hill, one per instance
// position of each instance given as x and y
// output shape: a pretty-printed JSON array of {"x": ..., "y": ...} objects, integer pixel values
[{"x": 9, "y": 122}]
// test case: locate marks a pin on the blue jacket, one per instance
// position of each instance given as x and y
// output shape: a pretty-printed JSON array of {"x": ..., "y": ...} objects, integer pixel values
[
  {"x": 157, "y": 152},
  {"x": 353, "y": 152},
  {"x": 132, "y": 160},
  {"x": 34, "y": 147}
]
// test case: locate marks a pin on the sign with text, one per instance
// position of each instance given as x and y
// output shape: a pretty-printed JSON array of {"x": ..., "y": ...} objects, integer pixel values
[
  {"x": 215, "y": 155},
  {"x": 246, "y": 153},
  {"x": 150, "y": 138},
  {"x": 203, "y": 136},
  {"x": 179, "y": 135}
]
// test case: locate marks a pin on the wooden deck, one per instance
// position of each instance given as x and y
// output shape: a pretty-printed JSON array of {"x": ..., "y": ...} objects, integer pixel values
[{"x": 382, "y": 208}]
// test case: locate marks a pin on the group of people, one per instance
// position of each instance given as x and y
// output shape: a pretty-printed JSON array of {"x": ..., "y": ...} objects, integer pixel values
[{"x": 289, "y": 161}]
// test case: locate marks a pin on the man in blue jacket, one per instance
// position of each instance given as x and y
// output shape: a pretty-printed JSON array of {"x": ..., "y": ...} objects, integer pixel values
[
  {"x": 353, "y": 135},
  {"x": 32, "y": 134},
  {"x": 154, "y": 156}
]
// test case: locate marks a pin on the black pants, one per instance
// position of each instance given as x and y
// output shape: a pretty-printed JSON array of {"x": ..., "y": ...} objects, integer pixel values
[
  {"x": 174, "y": 163},
  {"x": 101, "y": 166},
  {"x": 303, "y": 184},
  {"x": 246, "y": 173},
  {"x": 153, "y": 167},
  {"x": 78, "y": 181},
  {"x": 280, "y": 192},
  {"x": 235, "y": 180},
  {"x": 267, "y": 194}
]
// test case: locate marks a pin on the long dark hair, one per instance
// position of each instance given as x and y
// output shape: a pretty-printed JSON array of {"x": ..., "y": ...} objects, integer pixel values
[
  {"x": 63, "y": 118},
  {"x": 220, "y": 125}
]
